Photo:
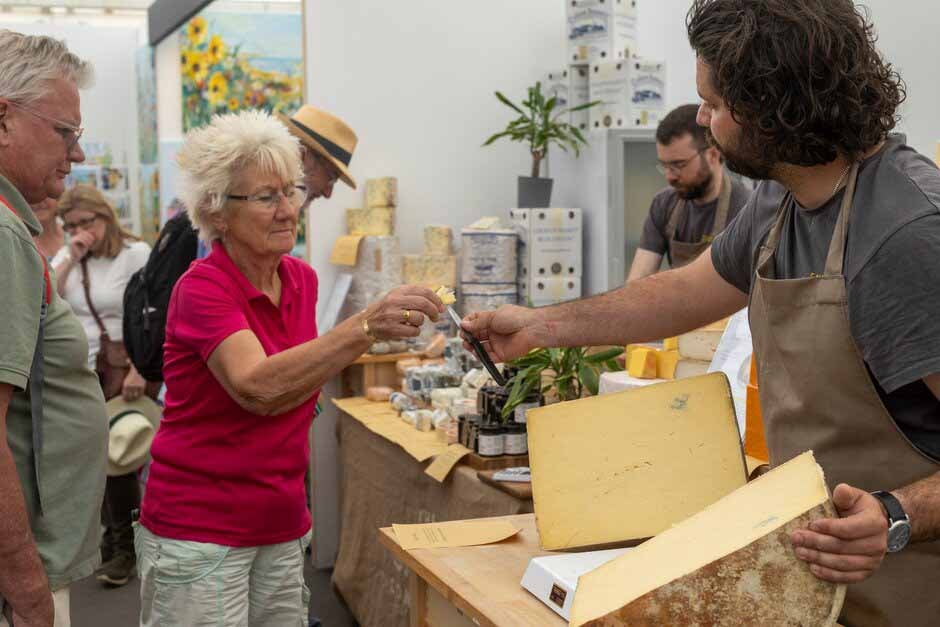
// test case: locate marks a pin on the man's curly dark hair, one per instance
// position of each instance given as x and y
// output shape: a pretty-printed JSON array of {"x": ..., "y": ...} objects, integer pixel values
[{"x": 802, "y": 77}]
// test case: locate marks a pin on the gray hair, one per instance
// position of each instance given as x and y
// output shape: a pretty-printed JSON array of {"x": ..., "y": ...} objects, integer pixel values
[
  {"x": 213, "y": 155},
  {"x": 28, "y": 63}
]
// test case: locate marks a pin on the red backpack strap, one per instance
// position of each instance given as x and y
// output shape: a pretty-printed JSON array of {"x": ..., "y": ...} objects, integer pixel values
[{"x": 45, "y": 264}]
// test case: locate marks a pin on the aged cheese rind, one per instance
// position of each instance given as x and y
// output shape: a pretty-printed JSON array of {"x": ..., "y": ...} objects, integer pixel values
[
  {"x": 382, "y": 192},
  {"x": 731, "y": 564},
  {"x": 429, "y": 270},
  {"x": 438, "y": 240},
  {"x": 379, "y": 221},
  {"x": 626, "y": 466}
]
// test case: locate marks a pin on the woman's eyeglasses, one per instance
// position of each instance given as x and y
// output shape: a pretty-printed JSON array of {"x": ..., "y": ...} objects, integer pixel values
[
  {"x": 295, "y": 195},
  {"x": 84, "y": 223}
]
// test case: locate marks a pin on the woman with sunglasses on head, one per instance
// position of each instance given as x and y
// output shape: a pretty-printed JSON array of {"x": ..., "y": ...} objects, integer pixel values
[
  {"x": 224, "y": 524},
  {"x": 92, "y": 271}
]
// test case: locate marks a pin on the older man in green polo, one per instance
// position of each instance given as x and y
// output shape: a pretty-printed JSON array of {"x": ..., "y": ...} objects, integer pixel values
[{"x": 53, "y": 425}]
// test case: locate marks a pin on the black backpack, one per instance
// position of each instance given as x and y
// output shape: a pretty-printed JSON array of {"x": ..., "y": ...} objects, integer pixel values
[{"x": 147, "y": 295}]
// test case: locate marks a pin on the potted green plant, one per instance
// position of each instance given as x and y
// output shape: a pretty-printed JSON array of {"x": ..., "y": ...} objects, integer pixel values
[
  {"x": 541, "y": 123},
  {"x": 571, "y": 372}
]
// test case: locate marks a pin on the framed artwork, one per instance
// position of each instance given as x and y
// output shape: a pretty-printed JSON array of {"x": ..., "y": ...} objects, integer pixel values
[{"x": 233, "y": 61}]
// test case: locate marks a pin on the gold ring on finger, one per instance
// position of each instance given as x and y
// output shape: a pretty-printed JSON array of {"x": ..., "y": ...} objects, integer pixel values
[{"x": 406, "y": 315}]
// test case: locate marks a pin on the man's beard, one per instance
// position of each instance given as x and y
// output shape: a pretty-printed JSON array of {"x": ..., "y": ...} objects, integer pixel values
[
  {"x": 698, "y": 189},
  {"x": 746, "y": 157}
]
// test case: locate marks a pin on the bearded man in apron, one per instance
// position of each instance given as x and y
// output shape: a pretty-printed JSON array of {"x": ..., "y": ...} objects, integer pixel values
[
  {"x": 702, "y": 198},
  {"x": 837, "y": 254}
]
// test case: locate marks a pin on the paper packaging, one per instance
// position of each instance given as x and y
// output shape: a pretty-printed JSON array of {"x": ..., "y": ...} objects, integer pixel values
[
  {"x": 632, "y": 93},
  {"x": 601, "y": 30},
  {"x": 541, "y": 292},
  {"x": 380, "y": 221},
  {"x": 570, "y": 88},
  {"x": 381, "y": 192},
  {"x": 550, "y": 242},
  {"x": 553, "y": 579},
  {"x": 377, "y": 270},
  {"x": 476, "y": 297},
  {"x": 489, "y": 256}
]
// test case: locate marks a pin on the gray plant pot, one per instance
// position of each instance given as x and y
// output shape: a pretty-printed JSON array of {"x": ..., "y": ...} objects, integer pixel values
[{"x": 534, "y": 193}]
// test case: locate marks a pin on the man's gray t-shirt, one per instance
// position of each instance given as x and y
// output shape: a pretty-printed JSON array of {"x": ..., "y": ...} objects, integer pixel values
[
  {"x": 695, "y": 225},
  {"x": 892, "y": 270}
]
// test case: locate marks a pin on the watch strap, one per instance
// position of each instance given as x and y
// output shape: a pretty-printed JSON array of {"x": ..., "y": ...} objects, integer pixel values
[{"x": 892, "y": 505}]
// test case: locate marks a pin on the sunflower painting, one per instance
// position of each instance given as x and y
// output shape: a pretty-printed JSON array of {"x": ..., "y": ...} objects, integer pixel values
[{"x": 232, "y": 61}]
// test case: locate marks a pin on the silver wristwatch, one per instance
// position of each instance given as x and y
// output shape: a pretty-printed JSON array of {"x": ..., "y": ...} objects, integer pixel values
[{"x": 899, "y": 525}]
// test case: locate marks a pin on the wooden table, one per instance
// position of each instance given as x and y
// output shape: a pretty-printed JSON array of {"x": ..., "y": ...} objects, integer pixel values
[{"x": 475, "y": 585}]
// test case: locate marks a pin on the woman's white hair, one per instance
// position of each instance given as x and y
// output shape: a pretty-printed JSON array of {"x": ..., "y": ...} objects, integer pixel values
[
  {"x": 213, "y": 155},
  {"x": 28, "y": 63}
]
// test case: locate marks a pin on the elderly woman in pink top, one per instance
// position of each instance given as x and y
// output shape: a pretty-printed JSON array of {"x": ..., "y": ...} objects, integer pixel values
[{"x": 224, "y": 523}]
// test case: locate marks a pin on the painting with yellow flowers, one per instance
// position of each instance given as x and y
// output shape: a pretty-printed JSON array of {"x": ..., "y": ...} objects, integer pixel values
[{"x": 233, "y": 61}]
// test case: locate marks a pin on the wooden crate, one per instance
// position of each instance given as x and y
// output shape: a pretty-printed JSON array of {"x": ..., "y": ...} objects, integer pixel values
[{"x": 478, "y": 462}]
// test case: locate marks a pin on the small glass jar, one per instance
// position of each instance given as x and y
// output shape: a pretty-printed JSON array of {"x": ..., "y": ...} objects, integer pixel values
[
  {"x": 516, "y": 440},
  {"x": 490, "y": 442},
  {"x": 533, "y": 400}
]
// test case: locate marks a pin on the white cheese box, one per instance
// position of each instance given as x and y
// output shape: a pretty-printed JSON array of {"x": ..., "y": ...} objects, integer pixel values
[
  {"x": 601, "y": 30},
  {"x": 632, "y": 94},
  {"x": 570, "y": 86},
  {"x": 540, "y": 292},
  {"x": 553, "y": 579},
  {"x": 476, "y": 297},
  {"x": 489, "y": 256},
  {"x": 550, "y": 242}
]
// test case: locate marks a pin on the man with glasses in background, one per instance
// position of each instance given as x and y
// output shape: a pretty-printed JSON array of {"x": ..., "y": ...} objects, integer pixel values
[
  {"x": 702, "y": 198},
  {"x": 53, "y": 423}
]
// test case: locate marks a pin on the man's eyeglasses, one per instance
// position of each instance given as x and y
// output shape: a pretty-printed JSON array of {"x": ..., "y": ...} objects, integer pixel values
[
  {"x": 70, "y": 134},
  {"x": 295, "y": 195},
  {"x": 84, "y": 223},
  {"x": 676, "y": 167}
]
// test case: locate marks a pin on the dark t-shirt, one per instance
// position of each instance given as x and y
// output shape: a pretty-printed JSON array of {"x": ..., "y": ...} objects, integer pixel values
[
  {"x": 694, "y": 226},
  {"x": 892, "y": 269}
]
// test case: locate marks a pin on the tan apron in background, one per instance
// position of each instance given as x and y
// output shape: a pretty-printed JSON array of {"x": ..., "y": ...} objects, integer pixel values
[
  {"x": 684, "y": 253},
  {"x": 815, "y": 393}
]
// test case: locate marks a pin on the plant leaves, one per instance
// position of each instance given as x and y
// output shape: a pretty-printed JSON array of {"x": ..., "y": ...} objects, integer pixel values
[
  {"x": 506, "y": 101},
  {"x": 603, "y": 356},
  {"x": 589, "y": 378}
]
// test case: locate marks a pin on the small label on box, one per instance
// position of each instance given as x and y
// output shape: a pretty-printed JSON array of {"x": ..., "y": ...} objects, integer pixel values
[{"x": 558, "y": 595}]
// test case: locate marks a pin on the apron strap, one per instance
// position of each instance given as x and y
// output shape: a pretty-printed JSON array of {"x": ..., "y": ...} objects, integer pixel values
[
  {"x": 674, "y": 216},
  {"x": 724, "y": 205},
  {"x": 835, "y": 260},
  {"x": 35, "y": 386}
]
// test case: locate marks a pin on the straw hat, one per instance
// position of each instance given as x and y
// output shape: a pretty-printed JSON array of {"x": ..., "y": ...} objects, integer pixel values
[
  {"x": 326, "y": 134},
  {"x": 131, "y": 427}
]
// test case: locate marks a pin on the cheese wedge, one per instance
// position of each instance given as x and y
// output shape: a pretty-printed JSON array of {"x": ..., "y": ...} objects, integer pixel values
[
  {"x": 671, "y": 344},
  {"x": 429, "y": 270},
  {"x": 730, "y": 564},
  {"x": 702, "y": 343},
  {"x": 379, "y": 221},
  {"x": 666, "y": 362},
  {"x": 625, "y": 466},
  {"x": 446, "y": 295},
  {"x": 438, "y": 240},
  {"x": 642, "y": 363},
  {"x": 381, "y": 192},
  {"x": 686, "y": 368}
]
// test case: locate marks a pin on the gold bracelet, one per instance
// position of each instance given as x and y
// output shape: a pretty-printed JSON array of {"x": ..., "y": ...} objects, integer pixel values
[{"x": 367, "y": 330}]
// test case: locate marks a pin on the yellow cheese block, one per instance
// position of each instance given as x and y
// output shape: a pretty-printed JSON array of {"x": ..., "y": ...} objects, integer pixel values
[
  {"x": 370, "y": 221},
  {"x": 429, "y": 270},
  {"x": 671, "y": 344},
  {"x": 381, "y": 192},
  {"x": 730, "y": 564},
  {"x": 626, "y": 466},
  {"x": 438, "y": 240},
  {"x": 642, "y": 364},
  {"x": 666, "y": 362}
]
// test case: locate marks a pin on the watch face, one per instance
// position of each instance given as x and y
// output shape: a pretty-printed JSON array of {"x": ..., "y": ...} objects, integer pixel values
[{"x": 898, "y": 536}]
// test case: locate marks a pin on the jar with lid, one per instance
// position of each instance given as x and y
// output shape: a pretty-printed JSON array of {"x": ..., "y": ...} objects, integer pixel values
[
  {"x": 516, "y": 440},
  {"x": 490, "y": 442},
  {"x": 533, "y": 400}
]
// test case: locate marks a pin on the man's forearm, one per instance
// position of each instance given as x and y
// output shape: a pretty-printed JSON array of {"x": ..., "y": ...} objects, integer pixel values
[
  {"x": 921, "y": 502},
  {"x": 23, "y": 580},
  {"x": 660, "y": 306}
]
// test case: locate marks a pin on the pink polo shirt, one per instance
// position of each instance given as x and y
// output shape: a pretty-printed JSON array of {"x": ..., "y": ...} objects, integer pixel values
[{"x": 219, "y": 473}]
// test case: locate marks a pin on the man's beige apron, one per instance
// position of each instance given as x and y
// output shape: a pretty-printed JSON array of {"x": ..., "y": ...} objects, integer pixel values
[
  {"x": 684, "y": 253},
  {"x": 815, "y": 393}
]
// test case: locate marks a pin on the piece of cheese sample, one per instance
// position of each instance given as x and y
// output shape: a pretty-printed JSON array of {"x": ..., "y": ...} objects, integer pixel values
[
  {"x": 379, "y": 394},
  {"x": 642, "y": 364},
  {"x": 446, "y": 295},
  {"x": 382, "y": 192},
  {"x": 671, "y": 344},
  {"x": 379, "y": 221},
  {"x": 730, "y": 564},
  {"x": 438, "y": 240},
  {"x": 666, "y": 362},
  {"x": 626, "y": 466},
  {"x": 429, "y": 270},
  {"x": 702, "y": 343}
]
